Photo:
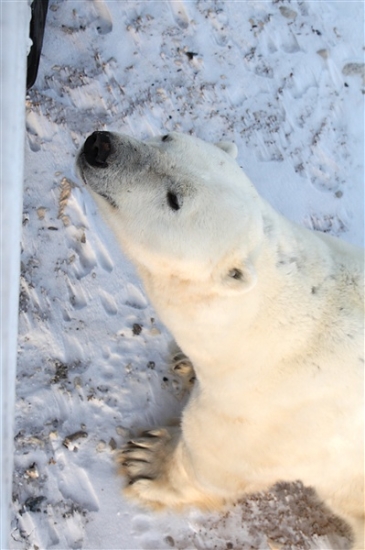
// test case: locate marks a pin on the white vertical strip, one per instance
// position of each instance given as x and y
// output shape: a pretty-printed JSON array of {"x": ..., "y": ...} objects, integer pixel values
[{"x": 14, "y": 29}]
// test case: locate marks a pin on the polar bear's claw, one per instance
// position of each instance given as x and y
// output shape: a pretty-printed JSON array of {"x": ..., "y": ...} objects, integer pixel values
[
  {"x": 142, "y": 443},
  {"x": 154, "y": 433}
]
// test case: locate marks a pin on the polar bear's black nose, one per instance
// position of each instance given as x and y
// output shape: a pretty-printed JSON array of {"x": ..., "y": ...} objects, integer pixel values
[{"x": 97, "y": 149}]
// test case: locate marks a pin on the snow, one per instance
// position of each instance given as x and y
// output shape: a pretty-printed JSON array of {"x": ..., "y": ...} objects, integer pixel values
[{"x": 285, "y": 81}]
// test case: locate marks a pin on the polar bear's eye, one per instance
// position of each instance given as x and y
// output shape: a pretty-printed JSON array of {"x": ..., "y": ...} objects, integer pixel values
[
  {"x": 166, "y": 138},
  {"x": 173, "y": 200}
]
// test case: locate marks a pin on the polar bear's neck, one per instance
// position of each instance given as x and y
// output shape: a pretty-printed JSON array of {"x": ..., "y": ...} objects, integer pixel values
[{"x": 261, "y": 325}]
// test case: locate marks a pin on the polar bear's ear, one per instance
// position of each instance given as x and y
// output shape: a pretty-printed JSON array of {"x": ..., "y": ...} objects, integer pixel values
[
  {"x": 228, "y": 147},
  {"x": 240, "y": 278}
]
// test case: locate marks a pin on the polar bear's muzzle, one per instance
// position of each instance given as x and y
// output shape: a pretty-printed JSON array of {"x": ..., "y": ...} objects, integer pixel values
[
  {"x": 108, "y": 160},
  {"x": 97, "y": 149},
  {"x": 93, "y": 156}
]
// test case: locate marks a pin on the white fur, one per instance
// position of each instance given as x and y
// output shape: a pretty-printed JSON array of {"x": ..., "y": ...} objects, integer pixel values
[{"x": 271, "y": 316}]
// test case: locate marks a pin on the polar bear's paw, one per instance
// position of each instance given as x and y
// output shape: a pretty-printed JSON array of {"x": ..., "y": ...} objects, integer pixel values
[
  {"x": 146, "y": 462},
  {"x": 143, "y": 457},
  {"x": 183, "y": 374},
  {"x": 156, "y": 474},
  {"x": 182, "y": 366}
]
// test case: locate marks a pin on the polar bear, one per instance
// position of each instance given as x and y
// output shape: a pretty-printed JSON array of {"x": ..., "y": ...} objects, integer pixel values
[{"x": 270, "y": 314}]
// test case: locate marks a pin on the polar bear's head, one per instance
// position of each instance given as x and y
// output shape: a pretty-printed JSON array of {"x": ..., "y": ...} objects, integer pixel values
[{"x": 177, "y": 204}]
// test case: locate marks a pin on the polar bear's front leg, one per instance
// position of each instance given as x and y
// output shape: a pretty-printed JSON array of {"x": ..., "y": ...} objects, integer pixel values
[{"x": 159, "y": 473}]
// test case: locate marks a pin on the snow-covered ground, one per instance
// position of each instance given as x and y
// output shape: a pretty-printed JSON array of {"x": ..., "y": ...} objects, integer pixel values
[{"x": 285, "y": 81}]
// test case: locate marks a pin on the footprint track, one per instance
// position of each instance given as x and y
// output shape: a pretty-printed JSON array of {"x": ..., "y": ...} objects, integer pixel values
[
  {"x": 135, "y": 298},
  {"x": 89, "y": 253},
  {"x": 180, "y": 14},
  {"x": 108, "y": 302},
  {"x": 104, "y": 23},
  {"x": 90, "y": 250},
  {"x": 75, "y": 484},
  {"x": 77, "y": 296}
]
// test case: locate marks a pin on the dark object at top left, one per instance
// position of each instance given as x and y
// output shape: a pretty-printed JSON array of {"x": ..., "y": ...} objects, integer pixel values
[{"x": 36, "y": 32}]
